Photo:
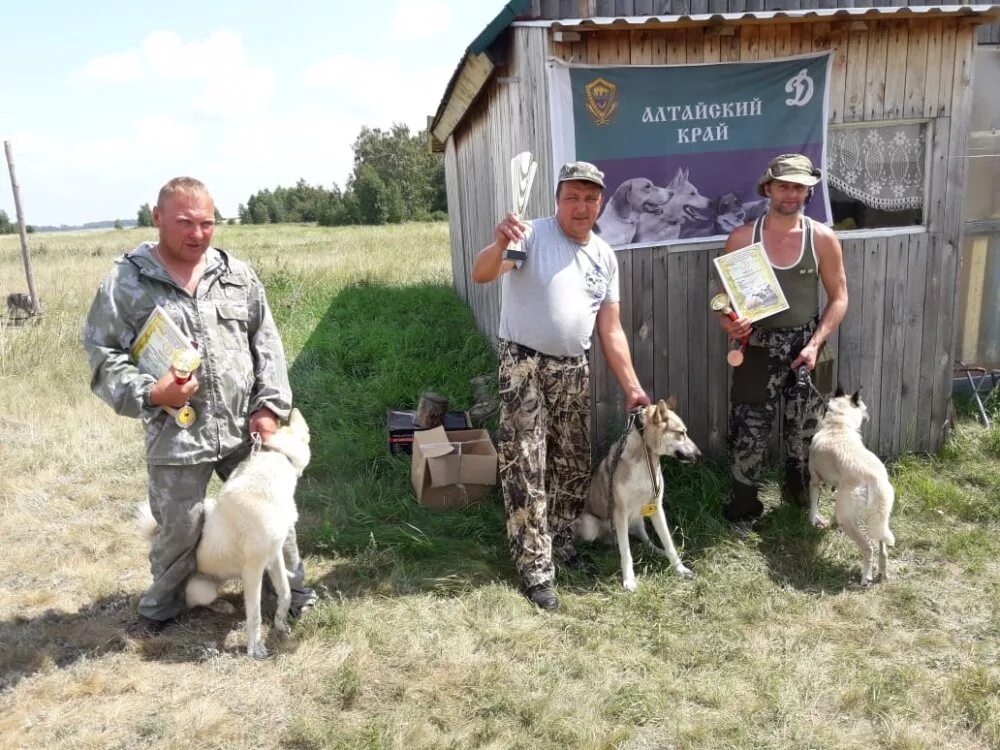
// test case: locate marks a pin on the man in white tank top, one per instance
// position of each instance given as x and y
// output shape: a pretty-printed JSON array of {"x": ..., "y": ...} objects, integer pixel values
[
  {"x": 801, "y": 251},
  {"x": 549, "y": 305}
]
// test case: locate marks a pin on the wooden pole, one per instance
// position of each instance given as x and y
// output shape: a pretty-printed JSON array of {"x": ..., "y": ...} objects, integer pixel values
[{"x": 25, "y": 254}]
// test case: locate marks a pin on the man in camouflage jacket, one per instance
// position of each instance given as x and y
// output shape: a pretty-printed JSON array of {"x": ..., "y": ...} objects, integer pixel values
[{"x": 241, "y": 387}]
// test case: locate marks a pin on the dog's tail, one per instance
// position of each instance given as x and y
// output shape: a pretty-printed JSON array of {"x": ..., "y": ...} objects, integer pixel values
[{"x": 144, "y": 521}]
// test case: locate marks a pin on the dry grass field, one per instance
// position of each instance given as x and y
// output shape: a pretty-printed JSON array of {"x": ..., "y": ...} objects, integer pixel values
[{"x": 421, "y": 639}]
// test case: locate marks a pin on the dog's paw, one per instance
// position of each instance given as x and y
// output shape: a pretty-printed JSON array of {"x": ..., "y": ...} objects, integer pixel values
[
  {"x": 684, "y": 572},
  {"x": 258, "y": 651},
  {"x": 819, "y": 522},
  {"x": 281, "y": 625},
  {"x": 629, "y": 584}
]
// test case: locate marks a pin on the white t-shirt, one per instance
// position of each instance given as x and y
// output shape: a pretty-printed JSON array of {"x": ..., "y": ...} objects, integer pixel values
[{"x": 549, "y": 302}]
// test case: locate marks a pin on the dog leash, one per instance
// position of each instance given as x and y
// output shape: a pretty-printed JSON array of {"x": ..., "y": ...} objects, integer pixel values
[
  {"x": 633, "y": 421},
  {"x": 255, "y": 443}
]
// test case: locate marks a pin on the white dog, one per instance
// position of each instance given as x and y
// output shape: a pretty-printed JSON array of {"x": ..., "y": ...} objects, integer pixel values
[
  {"x": 864, "y": 501},
  {"x": 636, "y": 481},
  {"x": 631, "y": 200},
  {"x": 246, "y": 527}
]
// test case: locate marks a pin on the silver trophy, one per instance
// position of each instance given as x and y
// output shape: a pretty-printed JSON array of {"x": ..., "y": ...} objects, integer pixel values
[{"x": 522, "y": 174}]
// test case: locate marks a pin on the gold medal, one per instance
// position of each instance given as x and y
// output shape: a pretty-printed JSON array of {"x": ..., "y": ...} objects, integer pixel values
[
  {"x": 183, "y": 362},
  {"x": 649, "y": 509},
  {"x": 185, "y": 416}
]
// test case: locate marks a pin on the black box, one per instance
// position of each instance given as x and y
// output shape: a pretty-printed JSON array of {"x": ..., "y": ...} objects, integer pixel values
[{"x": 401, "y": 428}]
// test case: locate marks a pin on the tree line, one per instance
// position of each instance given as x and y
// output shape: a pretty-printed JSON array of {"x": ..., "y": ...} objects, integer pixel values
[{"x": 395, "y": 178}]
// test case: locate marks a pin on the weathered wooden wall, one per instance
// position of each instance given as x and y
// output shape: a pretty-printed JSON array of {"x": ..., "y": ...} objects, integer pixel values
[{"x": 898, "y": 337}]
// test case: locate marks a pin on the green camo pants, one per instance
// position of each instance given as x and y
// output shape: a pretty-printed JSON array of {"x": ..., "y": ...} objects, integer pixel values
[
  {"x": 176, "y": 498},
  {"x": 544, "y": 448},
  {"x": 761, "y": 386}
]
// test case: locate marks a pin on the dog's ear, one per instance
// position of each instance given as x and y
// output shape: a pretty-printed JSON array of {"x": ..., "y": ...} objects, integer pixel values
[
  {"x": 839, "y": 392},
  {"x": 620, "y": 200},
  {"x": 671, "y": 402},
  {"x": 661, "y": 410},
  {"x": 856, "y": 398}
]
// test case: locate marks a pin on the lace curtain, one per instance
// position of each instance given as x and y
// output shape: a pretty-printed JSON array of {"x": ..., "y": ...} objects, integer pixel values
[{"x": 880, "y": 165}]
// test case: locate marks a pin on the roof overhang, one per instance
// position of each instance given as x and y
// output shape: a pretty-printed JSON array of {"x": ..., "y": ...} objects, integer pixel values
[
  {"x": 477, "y": 66},
  {"x": 981, "y": 14}
]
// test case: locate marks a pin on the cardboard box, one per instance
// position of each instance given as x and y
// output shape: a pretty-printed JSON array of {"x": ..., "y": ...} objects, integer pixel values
[
  {"x": 399, "y": 423},
  {"x": 452, "y": 469}
]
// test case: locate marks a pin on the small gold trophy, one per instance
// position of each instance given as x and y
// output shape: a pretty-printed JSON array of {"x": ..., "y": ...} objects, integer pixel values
[
  {"x": 183, "y": 363},
  {"x": 720, "y": 304},
  {"x": 522, "y": 175}
]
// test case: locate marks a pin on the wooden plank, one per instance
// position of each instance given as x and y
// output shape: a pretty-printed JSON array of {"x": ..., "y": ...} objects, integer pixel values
[
  {"x": 767, "y": 42},
  {"x": 641, "y": 47},
  {"x": 676, "y": 47},
  {"x": 696, "y": 415},
  {"x": 878, "y": 48},
  {"x": 644, "y": 319},
  {"x": 839, "y": 43},
  {"x": 459, "y": 272},
  {"x": 932, "y": 86},
  {"x": 894, "y": 323},
  {"x": 895, "y": 70},
  {"x": 661, "y": 323},
  {"x": 916, "y": 69},
  {"x": 799, "y": 39},
  {"x": 783, "y": 39},
  {"x": 872, "y": 330},
  {"x": 643, "y": 7},
  {"x": 916, "y": 275},
  {"x": 625, "y": 8},
  {"x": 712, "y": 52},
  {"x": 718, "y": 375},
  {"x": 698, "y": 7},
  {"x": 679, "y": 317},
  {"x": 532, "y": 53},
  {"x": 694, "y": 37},
  {"x": 658, "y": 47},
  {"x": 948, "y": 40},
  {"x": 961, "y": 116},
  {"x": 605, "y": 8},
  {"x": 729, "y": 47},
  {"x": 626, "y": 307},
  {"x": 749, "y": 42},
  {"x": 849, "y": 349},
  {"x": 855, "y": 80},
  {"x": 928, "y": 342},
  {"x": 718, "y": 6},
  {"x": 937, "y": 182}
]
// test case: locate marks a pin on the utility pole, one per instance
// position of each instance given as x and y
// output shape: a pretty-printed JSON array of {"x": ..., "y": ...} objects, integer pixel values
[{"x": 25, "y": 254}]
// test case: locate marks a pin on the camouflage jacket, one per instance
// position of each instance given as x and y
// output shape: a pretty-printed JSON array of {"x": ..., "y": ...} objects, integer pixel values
[{"x": 243, "y": 362}]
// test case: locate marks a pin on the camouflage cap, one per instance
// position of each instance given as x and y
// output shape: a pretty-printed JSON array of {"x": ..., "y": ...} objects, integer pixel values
[
  {"x": 581, "y": 170},
  {"x": 790, "y": 168}
]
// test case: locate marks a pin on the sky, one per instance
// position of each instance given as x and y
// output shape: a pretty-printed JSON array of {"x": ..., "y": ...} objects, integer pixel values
[{"x": 105, "y": 101}]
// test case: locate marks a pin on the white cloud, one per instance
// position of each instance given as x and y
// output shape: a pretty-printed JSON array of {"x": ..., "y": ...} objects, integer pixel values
[
  {"x": 420, "y": 18},
  {"x": 390, "y": 92},
  {"x": 121, "y": 67},
  {"x": 228, "y": 85}
]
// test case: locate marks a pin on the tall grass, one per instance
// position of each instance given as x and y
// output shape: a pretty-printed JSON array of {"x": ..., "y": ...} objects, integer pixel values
[{"x": 421, "y": 640}]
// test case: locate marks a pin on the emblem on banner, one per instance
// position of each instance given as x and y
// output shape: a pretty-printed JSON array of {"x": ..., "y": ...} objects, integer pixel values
[
  {"x": 602, "y": 100},
  {"x": 801, "y": 87}
]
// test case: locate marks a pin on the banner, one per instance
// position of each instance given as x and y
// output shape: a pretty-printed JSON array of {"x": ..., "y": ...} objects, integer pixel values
[{"x": 682, "y": 146}]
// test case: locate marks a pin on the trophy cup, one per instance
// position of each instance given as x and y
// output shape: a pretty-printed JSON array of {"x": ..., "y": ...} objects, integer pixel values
[
  {"x": 720, "y": 304},
  {"x": 183, "y": 363},
  {"x": 522, "y": 174}
]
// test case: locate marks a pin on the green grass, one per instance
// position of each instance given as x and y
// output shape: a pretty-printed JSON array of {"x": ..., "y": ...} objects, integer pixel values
[{"x": 421, "y": 639}]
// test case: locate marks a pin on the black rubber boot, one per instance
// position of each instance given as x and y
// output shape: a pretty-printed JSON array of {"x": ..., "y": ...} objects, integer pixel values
[
  {"x": 795, "y": 490},
  {"x": 542, "y": 595},
  {"x": 743, "y": 504}
]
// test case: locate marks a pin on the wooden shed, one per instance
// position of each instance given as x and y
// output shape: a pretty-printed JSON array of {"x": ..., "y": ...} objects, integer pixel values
[{"x": 901, "y": 64}]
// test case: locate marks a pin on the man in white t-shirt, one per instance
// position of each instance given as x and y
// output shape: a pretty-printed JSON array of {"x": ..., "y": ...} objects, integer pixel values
[{"x": 549, "y": 305}]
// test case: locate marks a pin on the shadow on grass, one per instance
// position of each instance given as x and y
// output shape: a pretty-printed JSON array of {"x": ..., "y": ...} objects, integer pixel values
[
  {"x": 58, "y": 640},
  {"x": 791, "y": 546},
  {"x": 378, "y": 347}
]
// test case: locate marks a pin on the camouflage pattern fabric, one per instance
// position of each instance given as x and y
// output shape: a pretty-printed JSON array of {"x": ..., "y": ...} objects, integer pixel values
[
  {"x": 243, "y": 362},
  {"x": 176, "y": 499},
  {"x": 544, "y": 449},
  {"x": 761, "y": 386}
]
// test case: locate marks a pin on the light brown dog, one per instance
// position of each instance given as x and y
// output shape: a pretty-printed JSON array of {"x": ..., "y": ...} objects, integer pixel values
[{"x": 628, "y": 488}]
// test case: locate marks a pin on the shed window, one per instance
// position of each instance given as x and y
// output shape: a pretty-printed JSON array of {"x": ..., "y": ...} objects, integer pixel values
[{"x": 876, "y": 174}]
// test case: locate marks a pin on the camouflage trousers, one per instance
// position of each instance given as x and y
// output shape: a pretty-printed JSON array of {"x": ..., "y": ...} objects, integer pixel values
[
  {"x": 177, "y": 501},
  {"x": 544, "y": 449},
  {"x": 762, "y": 385}
]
